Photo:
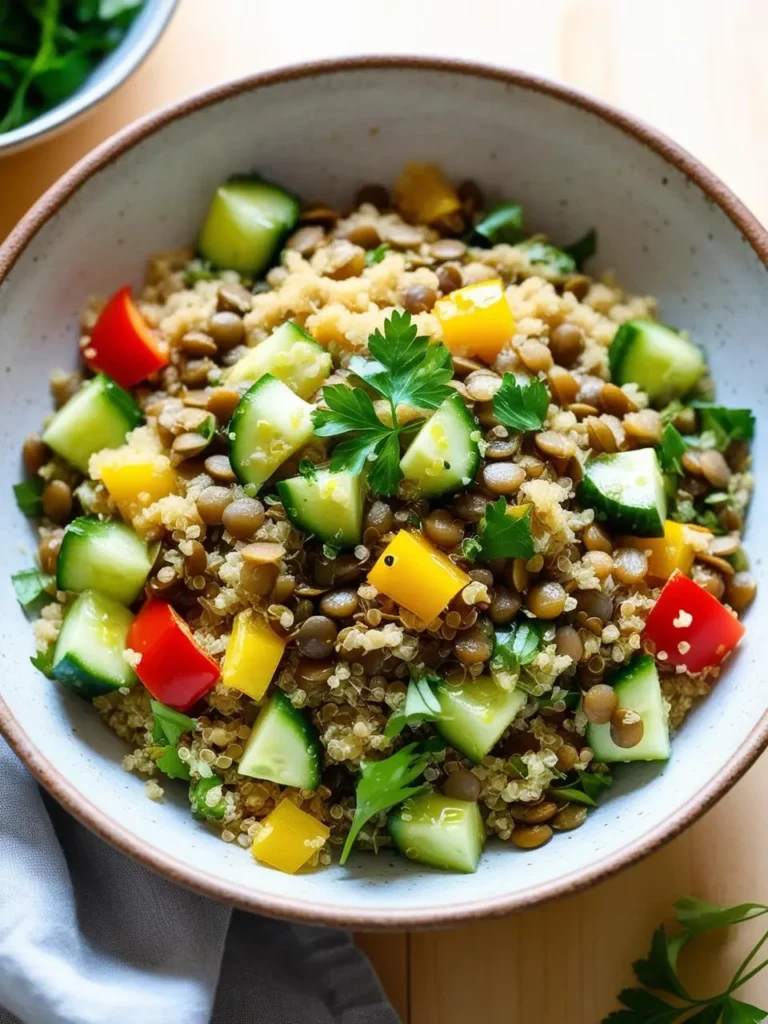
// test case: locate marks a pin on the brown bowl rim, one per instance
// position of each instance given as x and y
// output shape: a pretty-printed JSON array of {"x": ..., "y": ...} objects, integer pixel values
[{"x": 263, "y": 901}]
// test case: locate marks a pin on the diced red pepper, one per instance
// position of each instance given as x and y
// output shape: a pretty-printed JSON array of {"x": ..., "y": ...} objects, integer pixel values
[
  {"x": 172, "y": 667},
  {"x": 688, "y": 626},
  {"x": 122, "y": 344}
]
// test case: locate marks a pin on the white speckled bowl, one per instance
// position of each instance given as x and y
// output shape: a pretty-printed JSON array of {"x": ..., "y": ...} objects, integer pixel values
[{"x": 666, "y": 225}]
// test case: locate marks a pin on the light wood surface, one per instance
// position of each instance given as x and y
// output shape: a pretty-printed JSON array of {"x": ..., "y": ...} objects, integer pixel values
[{"x": 697, "y": 70}]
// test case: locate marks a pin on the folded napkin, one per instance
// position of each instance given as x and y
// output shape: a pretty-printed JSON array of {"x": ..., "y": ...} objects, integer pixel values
[{"x": 87, "y": 936}]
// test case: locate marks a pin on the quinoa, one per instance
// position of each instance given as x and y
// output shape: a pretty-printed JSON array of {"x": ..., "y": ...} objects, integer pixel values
[{"x": 366, "y": 668}]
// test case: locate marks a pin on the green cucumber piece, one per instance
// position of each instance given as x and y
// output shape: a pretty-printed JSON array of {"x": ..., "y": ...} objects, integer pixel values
[
  {"x": 98, "y": 416},
  {"x": 290, "y": 355},
  {"x": 283, "y": 746},
  {"x": 475, "y": 715},
  {"x": 637, "y": 687},
  {"x": 444, "y": 455},
  {"x": 103, "y": 555},
  {"x": 329, "y": 505},
  {"x": 89, "y": 656},
  {"x": 269, "y": 425},
  {"x": 434, "y": 829},
  {"x": 662, "y": 362},
  {"x": 246, "y": 223},
  {"x": 627, "y": 492}
]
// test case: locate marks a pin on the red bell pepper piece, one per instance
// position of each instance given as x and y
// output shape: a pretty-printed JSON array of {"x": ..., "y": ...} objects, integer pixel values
[
  {"x": 688, "y": 626},
  {"x": 172, "y": 667},
  {"x": 122, "y": 344}
]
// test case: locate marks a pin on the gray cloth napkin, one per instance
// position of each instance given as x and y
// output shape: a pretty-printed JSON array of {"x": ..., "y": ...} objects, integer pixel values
[{"x": 87, "y": 936}]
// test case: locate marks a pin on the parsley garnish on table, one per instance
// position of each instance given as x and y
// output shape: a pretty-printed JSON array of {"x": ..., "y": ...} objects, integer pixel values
[
  {"x": 49, "y": 47},
  {"x": 405, "y": 369},
  {"x": 658, "y": 972},
  {"x": 503, "y": 532},
  {"x": 382, "y": 784}
]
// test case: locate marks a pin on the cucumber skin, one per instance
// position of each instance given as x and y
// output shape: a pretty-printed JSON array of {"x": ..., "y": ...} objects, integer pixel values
[
  {"x": 76, "y": 533},
  {"x": 329, "y": 536},
  {"x": 631, "y": 333},
  {"x": 632, "y": 520},
  {"x": 73, "y": 674}
]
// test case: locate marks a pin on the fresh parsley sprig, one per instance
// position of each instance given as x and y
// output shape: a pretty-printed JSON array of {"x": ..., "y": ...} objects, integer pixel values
[
  {"x": 421, "y": 703},
  {"x": 405, "y": 368},
  {"x": 382, "y": 784},
  {"x": 168, "y": 728},
  {"x": 521, "y": 406},
  {"x": 659, "y": 972},
  {"x": 501, "y": 533},
  {"x": 31, "y": 587}
]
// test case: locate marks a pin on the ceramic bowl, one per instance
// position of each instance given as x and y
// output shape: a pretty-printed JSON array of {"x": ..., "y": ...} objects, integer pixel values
[
  {"x": 666, "y": 225},
  {"x": 144, "y": 32}
]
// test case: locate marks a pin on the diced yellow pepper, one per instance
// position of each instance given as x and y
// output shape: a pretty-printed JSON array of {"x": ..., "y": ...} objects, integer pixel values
[
  {"x": 137, "y": 479},
  {"x": 423, "y": 195},
  {"x": 253, "y": 654},
  {"x": 417, "y": 575},
  {"x": 675, "y": 551},
  {"x": 477, "y": 320},
  {"x": 288, "y": 837}
]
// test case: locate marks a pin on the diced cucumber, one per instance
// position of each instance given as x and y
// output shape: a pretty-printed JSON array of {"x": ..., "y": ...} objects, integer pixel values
[
  {"x": 89, "y": 656},
  {"x": 476, "y": 714},
  {"x": 444, "y": 455},
  {"x": 98, "y": 416},
  {"x": 283, "y": 746},
  {"x": 269, "y": 425},
  {"x": 103, "y": 555},
  {"x": 627, "y": 492},
  {"x": 662, "y": 362},
  {"x": 246, "y": 222},
  {"x": 330, "y": 505},
  {"x": 289, "y": 354},
  {"x": 637, "y": 688},
  {"x": 434, "y": 829}
]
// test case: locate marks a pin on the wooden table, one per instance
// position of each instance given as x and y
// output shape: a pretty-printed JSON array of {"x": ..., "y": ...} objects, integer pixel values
[{"x": 694, "y": 68}]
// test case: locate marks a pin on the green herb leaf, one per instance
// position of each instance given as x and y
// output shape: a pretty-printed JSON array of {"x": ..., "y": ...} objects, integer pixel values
[
  {"x": 736, "y": 1012},
  {"x": 169, "y": 725},
  {"x": 349, "y": 409},
  {"x": 29, "y": 496},
  {"x": 516, "y": 762},
  {"x": 500, "y": 535},
  {"x": 552, "y": 259},
  {"x": 198, "y": 791},
  {"x": 504, "y": 223},
  {"x": 671, "y": 450},
  {"x": 583, "y": 787},
  {"x": 702, "y": 916},
  {"x": 650, "y": 1007},
  {"x": 43, "y": 661},
  {"x": 374, "y": 256},
  {"x": 382, "y": 784},
  {"x": 307, "y": 469},
  {"x": 583, "y": 248},
  {"x": 659, "y": 969},
  {"x": 421, "y": 704},
  {"x": 171, "y": 764},
  {"x": 30, "y": 584},
  {"x": 331, "y": 551},
  {"x": 199, "y": 270},
  {"x": 385, "y": 473},
  {"x": 521, "y": 406},
  {"x": 709, "y": 1015},
  {"x": 725, "y": 424},
  {"x": 208, "y": 427},
  {"x": 517, "y": 645}
]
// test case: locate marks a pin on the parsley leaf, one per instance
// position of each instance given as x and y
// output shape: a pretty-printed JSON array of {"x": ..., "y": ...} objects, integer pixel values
[
  {"x": 171, "y": 764},
  {"x": 307, "y": 469},
  {"x": 552, "y": 259},
  {"x": 421, "y": 704},
  {"x": 736, "y": 1012},
  {"x": 583, "y": 248},
  {"x": 348, "y": 409},
  {"x": 702, "y": 916},
  {"x": 725, "y": 424},
  {"x": 517, "y": 645},
  {"x": 169, "y": 725},
  {"x": 385, "y": 473},
  {"x": 516, "y": 763},
  {"x": 502, "y": 533},
  {"x": 29, "y": 585},
  {"x": 584, "y": 788},
  {"x": 521, "y": 406},
  {"x": 198, "y": 793},
  {"x": 671, "y": 450},
  {"x": 374, "y": 256},
  {"x": 504, "y": 223},
  {"x": 29, "y": 496},
  {"x": 43, "y": 661},
  {"x": 382, "y": 784}
]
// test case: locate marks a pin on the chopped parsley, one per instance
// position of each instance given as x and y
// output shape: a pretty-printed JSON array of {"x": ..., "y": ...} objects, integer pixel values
[
  {"x": 584, "y": 787},
  {"x": 30, "y": 585},
  {"x": 671, "y": 450},
  {"x": 504, "y": 223},
  {"x": 521, "y": 406},
  {"x": 29, "y": 496},
  {"x": 171, "y": 764},
  {"x": 724, "y": 425},
  {"x": 421, "y": 703},
  {"x": 169, "y": 725},
  {"x": 503, "y": 532},
  {"x": 517, "y": 645},
  {"x": 542, "y": 254},
  {"x": 307, "y": 469},
  {"x": 374, "y": 256},
  {"x": 43, "y": 661},
  {"x": 198, "y": 793}
]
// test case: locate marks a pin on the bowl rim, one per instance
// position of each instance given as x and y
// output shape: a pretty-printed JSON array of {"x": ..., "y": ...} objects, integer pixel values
[
  {"x": 261, "y": 900},
  {"x": 127, "y": 60}
]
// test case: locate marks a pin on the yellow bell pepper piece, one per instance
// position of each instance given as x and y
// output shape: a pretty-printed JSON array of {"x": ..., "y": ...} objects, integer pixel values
[
  {"x": 477, "y": 320},
  {"x": 423, "y": 195},
  {"x": 253, "y": 654},
  {"x": 416, "y": 575},
  {"x": 675, "y": 551},
  {"x": 288, "y": 837},
  {"x": 137, "y": 479}
]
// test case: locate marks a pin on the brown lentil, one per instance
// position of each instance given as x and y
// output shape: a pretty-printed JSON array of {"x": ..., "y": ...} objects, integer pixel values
[
  {"x": 715, "y": 469},
  {"x": 306, "y": 240},
  {"x": 709, "y": 579},
  {"x": 595, "y": 604},
  {"x": 566, "y": 343},
  {"x": 601, "y": 437},
  {"x": 35, "y": 453},
  {"x": 379, "y": 517},
  {"x": 563, "y": 385},
  {"x": 503, "y": 477},
  {"x": 212, "y": 503},
  {"x": 462, "y": 785},
  {"x": 227, "y": 329},
  {"x": 740, "y": 590},
  {"x": 558, "y": 446},
  {"x": 283, "y": 588},
  {"x": 311, "y": 673},
  {"x": 546, "y": 600},
  {"x": 419, "y": 298},
  {"x": 259, "y": 580},
  {"x": 503, "y": 448},
  {"x": 222, "y": 402},
  {"x": 57, "y": 501},
  {"x": 472, "y": 647},
  {"x": 263, "y": 552},
  {"x": 448, "y": 278},
  {"x": 243, "y": 517},
  {"x": 196, "y": 560},
  {"x": 568, "y": 642},
  {"x": 596, "y": 539},
  {"x": 220, "y": 468},
  {"x": 615, "y": 401},
  {"x": 482, "y": 385},
  {"x": 339, "y": 604},
  {"x": 630, "y": 565},
  {"x": 531, "y": 837},
  {"x": 365, "y": 234},
  {"x": 470, "y": 507},
  {"x": 644, "y": 426},
  {"x": 49, "y": 553},
  {"x": 197, "y": 343},
  {"x": 188, "y": 445},
  {"x": 539, "y": 813},
  {"x": 569, "y": 817},
  {"x": 316, "y": 637},
  {"x": 343, "y": 260},
  {"x": 567, "y": 757},
  {"x": 626, "y": 728},
  {"x": 535, "y": 356},
  {"x": 599, "y": 703},
  {"x": 443, "y": 529},
  {"x": 504, "y": 605}
]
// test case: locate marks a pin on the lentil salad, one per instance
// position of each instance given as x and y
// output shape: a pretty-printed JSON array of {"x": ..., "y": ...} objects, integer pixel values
[{"x": 406, "y": 540}]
